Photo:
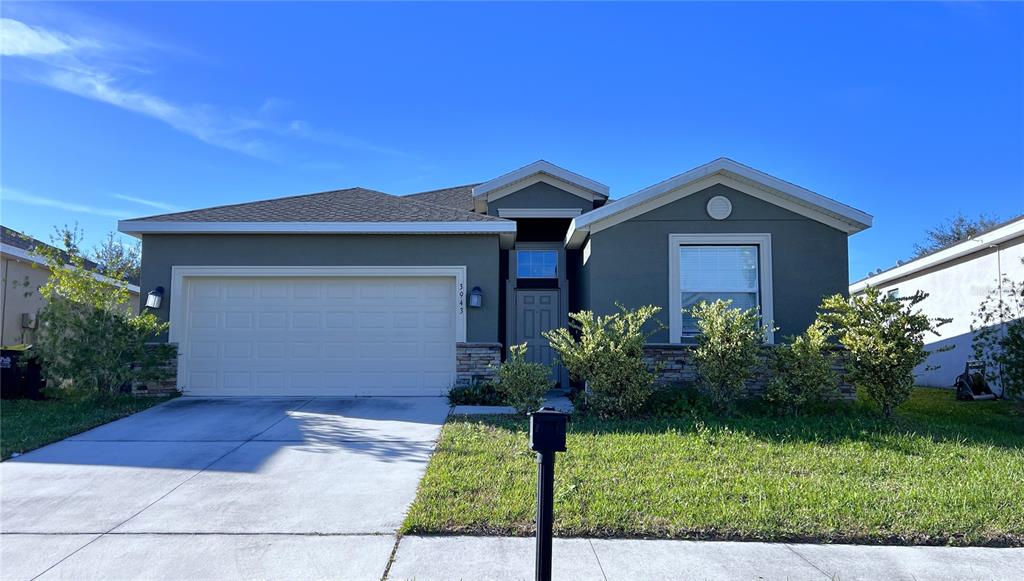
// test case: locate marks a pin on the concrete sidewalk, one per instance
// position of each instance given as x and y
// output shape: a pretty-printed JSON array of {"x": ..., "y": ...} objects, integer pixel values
[{"x": 501, "y": 558}]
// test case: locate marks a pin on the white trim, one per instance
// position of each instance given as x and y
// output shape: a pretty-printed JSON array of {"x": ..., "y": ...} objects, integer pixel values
[
  {"x": 539, "y": 212},
  {"x": 540, "y": 167},
  {"x": 978, "y": 243},
  {"x": 22, "y": 254},
  {"x": 179, "y": 298},
  {"x": 764, "y": 267},
  {"x": 730, "y": 173}
]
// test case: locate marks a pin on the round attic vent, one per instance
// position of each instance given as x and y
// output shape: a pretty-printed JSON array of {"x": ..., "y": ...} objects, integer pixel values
[{"x": 719, "y": 207}]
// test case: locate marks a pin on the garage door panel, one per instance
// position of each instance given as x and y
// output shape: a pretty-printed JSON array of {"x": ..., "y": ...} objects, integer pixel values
[{"x": 320, "y": 336}]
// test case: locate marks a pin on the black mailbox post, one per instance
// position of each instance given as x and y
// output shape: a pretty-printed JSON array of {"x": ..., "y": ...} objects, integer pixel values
[{"x": 547, "y": 436}]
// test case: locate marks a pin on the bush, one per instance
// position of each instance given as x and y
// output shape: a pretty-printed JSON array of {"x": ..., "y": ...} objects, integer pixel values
[
  {"x": 998, "y": 340},
  {"x": 608, "y": 355},
  {"x": 522, "y": 384},
  {"x": 476, "y": 393},
  {"x": 728, "y": 350},
  {"x": 801, "y": 371},
  {"x": 89, "y": 340},
  {"x": 673, "y": 401},
  {"x": 885, "y": 339}
]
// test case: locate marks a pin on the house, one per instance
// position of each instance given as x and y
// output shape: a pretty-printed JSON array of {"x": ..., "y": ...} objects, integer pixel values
[
  {"x": 23, "y": 273},
  {"x": 361, "y": 292},
  {"x": 957, "y": 279}
]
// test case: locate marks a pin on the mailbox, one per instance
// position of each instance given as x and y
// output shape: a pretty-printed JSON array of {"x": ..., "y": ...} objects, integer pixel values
[{"x": 547, "y": 430}]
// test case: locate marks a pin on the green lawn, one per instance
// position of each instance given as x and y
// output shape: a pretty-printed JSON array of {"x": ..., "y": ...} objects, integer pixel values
[
  {"x": 943, "y": 472},
  {"x": 27, "y": 424}
]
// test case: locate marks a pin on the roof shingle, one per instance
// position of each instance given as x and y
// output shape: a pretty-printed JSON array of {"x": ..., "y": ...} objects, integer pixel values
[
  {"x": 460, "y": 197},
  {"x": 349, "y": 205}
]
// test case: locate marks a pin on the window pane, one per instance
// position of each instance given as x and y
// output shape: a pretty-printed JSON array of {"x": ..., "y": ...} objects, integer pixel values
[
  {"x": 710, "y": 273},
  {"x": 537, "y": 263},
  {"x": 718, "y": 268}
]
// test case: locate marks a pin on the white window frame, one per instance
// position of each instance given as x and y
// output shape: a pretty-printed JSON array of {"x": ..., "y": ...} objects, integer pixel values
[{"x": 764, "y": 267}]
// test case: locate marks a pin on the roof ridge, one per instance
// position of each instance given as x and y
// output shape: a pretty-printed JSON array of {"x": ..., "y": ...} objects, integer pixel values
[
  {"x": 292, "y": 197},
  {"x": 441, "y": 189}
]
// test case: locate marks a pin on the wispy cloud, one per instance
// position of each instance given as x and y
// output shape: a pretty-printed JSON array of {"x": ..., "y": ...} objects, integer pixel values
[
  {"x": 144, "y": 202},
  {"x": 99, "y": 69},
  {"x": 19, "y": 39},
  {"x": 8, "y": 195}
]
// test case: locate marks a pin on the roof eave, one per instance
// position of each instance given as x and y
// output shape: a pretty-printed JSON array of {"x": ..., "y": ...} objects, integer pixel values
[{"x": 504, "y": 228}]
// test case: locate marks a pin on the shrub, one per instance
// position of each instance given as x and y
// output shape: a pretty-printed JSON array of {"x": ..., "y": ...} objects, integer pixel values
[
  {"x": 476, "y": 393},
  {"x": 608, "y": 354},
  {"x": 998, "y": 340},
  {"x": 728, "y": 350},
  {"x": 89, "y": 339},
  {"x": 801, "y": 371},
  {"x": 673, "y": 401},
  {"x": 885, "y": 339},
  {"x": 523, "y": 384}
]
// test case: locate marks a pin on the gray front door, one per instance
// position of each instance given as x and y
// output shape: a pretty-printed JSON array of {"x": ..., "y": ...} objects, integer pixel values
[{"x": 536, "y": 312}]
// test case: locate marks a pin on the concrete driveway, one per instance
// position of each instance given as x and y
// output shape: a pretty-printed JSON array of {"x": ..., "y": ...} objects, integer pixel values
[{"x": 220, "y": 489}]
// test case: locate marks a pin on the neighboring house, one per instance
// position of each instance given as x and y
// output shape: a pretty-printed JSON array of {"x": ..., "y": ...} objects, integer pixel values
[
  {"x": 23, "y": 273},
  {"x": 956, "y": 279},
  {"x": 361, "y": 292}
]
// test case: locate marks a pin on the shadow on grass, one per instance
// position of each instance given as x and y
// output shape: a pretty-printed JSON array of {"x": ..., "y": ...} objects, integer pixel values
[{"x": 931, "y": 413}]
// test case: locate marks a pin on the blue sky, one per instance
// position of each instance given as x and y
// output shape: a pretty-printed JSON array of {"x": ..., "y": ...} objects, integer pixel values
[{"x": 911, "y": 112}]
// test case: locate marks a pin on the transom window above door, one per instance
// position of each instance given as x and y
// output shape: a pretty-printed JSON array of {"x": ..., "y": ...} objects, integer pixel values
[
  {"x": 537, "y": 264},
  {"x": 710, "y": 267}
]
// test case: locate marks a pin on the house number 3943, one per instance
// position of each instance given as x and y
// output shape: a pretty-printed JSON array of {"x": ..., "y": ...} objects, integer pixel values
[{"x": 461, "y": 302}]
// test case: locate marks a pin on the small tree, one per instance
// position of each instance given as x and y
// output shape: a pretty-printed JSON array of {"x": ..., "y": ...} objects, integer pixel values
[
  {"x": 885, "y": 338},
  {"x": 117, "y": 259},
  {"x": 801, "y": 371},
  {"x": 728, "y": 349},
  {"x": 89, "y": 339},
  {"x": 998, "y": 340},
  {"x": 952, "y": 232},
  {"x": 523, "y": 384},
  {"x": 607, "y": 352}
]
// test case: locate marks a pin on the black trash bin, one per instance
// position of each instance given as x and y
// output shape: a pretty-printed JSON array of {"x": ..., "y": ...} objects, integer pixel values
[{"x": 21, "y": 377}]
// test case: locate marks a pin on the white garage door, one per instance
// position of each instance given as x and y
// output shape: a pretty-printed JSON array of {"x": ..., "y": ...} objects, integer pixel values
[{"x": 318, "y": 336}]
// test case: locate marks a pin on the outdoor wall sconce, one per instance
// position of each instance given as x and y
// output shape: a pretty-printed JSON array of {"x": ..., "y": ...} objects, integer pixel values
[
  {"x": 476, "y": 298},
  {"x": 155, "y": 298}
]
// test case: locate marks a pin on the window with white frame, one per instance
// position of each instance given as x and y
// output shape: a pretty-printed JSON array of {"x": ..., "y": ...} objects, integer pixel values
[
  {"x": 536, "y": 264},
  {"x": 711, "y": 273},
  {"x": 709, "y": 267}
]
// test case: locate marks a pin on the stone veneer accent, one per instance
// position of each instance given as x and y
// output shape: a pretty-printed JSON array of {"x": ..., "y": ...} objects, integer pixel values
[
  {"x": 476, "y": 362},
  {"x": 167, "y": 382},
  {"x": 676, "y": 367}
]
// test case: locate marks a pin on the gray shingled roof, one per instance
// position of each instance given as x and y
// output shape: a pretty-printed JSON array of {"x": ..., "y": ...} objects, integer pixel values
[
  {"x": 457, "y": 197},
  {"x": 351, "y": 205}
]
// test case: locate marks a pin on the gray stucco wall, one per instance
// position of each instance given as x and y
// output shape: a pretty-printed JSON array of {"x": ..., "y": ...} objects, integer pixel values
[
  {"x": 540, "y": 195},
  {"x": 479, "y": 254},
  {"x": 629, "y": 261}
]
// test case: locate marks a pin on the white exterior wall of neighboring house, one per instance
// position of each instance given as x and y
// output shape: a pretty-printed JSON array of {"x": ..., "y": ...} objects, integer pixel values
[
  {"x": 957, "y": 280},
  {"x": 23, "y": 274}
]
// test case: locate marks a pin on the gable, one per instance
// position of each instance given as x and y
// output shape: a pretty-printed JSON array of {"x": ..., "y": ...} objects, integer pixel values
[
  {"x": 539, "y": 195},
  {"x": 538, "y": 172},
  {"x": 694, "y": 208},
  {"x": 728, "y": 173}
]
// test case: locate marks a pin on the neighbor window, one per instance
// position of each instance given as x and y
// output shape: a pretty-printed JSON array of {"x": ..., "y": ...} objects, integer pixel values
[
  {"x": 892, "y": 294},
  {"x": 537, "y": 264},
  {"x": 710, "y": 273}
]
